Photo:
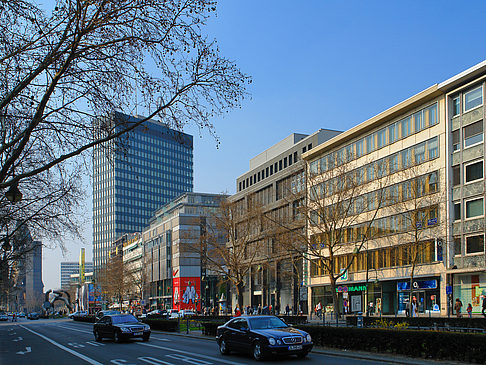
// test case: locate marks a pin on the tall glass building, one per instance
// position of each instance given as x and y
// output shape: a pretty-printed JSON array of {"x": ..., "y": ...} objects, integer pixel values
[{"x": 154, "y": 166}]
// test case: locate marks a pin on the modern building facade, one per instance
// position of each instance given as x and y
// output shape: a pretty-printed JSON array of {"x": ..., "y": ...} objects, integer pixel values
[
  {"x": 425, "y": 155},
  {"x": 270, "y": 185},
  {"x": 70, "y": 268},
  {"x": 176, "y": 275},
  {"x": 154, "y": 166}
]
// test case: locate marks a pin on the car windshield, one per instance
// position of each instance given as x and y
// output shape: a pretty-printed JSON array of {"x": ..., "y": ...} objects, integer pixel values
[
  {"x": 264, "y": 323},
  {"x": 127, "y": 318}
]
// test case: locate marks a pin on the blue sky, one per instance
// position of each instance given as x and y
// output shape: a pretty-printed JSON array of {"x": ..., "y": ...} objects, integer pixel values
[{"x": 320, "y": 64}]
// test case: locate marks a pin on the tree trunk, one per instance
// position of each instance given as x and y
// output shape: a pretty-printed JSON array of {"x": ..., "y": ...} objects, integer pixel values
[
  {"x": 239, "y": 292},
  {"x": 335, "y": 301}
]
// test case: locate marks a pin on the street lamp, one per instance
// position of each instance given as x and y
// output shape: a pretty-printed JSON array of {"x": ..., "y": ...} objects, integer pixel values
[{"x": 13, "y": 194}]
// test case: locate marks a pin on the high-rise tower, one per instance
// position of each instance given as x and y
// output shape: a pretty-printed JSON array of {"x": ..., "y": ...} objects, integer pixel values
[{"x": 154, "y": 166}]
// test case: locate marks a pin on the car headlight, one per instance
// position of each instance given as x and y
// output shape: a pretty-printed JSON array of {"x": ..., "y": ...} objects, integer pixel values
[
  {"x": 308, "y": 338},
  {"x": 123, "y": 329},
  {"x": 271, "y": 341}
]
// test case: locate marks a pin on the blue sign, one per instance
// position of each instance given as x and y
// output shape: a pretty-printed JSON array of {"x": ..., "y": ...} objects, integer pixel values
[
  {"x": 417, "y": 284},
  {"x": 448, "y": 289}
]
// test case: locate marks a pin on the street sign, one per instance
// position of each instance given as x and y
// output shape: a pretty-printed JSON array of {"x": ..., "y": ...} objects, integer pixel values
[{"x": 448, "y": 289}]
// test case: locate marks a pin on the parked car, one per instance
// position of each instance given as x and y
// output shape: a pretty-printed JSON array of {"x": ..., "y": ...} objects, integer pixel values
[
  {"x": 173, "y": 314},
  {"x": 100, "y": 314},
  {"x": 78, "y": 314},
  {"x": 33, "y": 315},
  {"x": 3, "y": 317},
  {"x": 186, "y": 313},
  {"x": 262, "y": 336},
  {"x": 120, "y": 327},
  {"x": 21, "y": 315}
]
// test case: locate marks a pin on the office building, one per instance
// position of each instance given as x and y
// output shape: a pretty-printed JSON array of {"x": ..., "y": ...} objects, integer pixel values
[
  {"x": 72, "y": 268},
  {"x": 153, "y": 166},
  {"x": 425, "y": 156}
]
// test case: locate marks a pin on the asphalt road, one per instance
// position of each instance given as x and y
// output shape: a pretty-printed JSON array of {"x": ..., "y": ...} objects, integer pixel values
[{"x": 66, "y": 342}]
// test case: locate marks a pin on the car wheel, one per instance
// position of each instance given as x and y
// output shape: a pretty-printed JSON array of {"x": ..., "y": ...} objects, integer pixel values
[
  {"x": 302, "y": 355},
  {"x": 145, "y": 338},
  {"x": 117, "y": 337},
  {"x": 98, "y": 338},
  {"x": 223, "y": 347},
  {"x": 258, "y": 354}
]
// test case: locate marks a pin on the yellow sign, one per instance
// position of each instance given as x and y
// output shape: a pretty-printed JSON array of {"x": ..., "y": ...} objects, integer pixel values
[{"x": 81, "y": 266}]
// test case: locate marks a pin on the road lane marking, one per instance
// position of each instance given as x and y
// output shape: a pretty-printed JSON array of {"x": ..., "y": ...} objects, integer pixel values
[
  {"x": 153, "y": 361},
  {"x": 120, "y": 362},
  {"x": 27, "y": 350},
  {"x": 17, "y": 339},
  {"x": 75, "y": 353},
  {"x": 75, "y": 329},
  {"x": 189, "y": 360},
  {"x": 75, "y": 345},
  {"x": 160, "y": 339},
  {"x": 94, "y": 343},
  {"x": 190, "y": 353}
]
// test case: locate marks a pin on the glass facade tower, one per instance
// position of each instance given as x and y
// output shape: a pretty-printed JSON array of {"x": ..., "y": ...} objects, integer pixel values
[{"x": 154, "y": 166}]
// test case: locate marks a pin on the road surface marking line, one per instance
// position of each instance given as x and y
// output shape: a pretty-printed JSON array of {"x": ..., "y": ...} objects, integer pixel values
[
  {"x": 75, "y": 353},
  {"x": 74, "y": 329},
  {"x": 190, "y": 353},
  {"x": 160, "y": 339},
  {"x": 27, "y": 350},
  {"x": 154, "y": 361}
]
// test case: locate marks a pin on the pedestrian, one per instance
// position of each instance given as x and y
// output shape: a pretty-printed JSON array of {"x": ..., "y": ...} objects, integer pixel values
[
  {"x": 457, "y": 307},
  {"x": 277, "y": 309},
  {"x": 237, "y": 312},
  {"x": 259, "y": 310},
  {"x": 469, "y": 310},
  {"x": 287, "y": 309},
  {"x": 484, "y": 306},
  {"x": 407, "y": 308},
  {"x": 345, "y": 306},
  {"x": 414, "y": 307}
]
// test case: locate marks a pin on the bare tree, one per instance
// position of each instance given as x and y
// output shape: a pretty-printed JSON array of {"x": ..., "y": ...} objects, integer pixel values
[
  {"x": 338, "y": 207},
  {"x": 113, "y": 280},
  {"x": 228, "y": 246}
]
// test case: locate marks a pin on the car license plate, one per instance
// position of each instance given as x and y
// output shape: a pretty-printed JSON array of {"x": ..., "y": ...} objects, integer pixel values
[
  {"x": 295, "y": 347},
  {"x": 137, "y": 333}
]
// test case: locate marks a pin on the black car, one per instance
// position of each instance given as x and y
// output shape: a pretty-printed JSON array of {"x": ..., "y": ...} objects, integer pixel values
[
  {"x": 120, "y": 327},
  {"x": 33, "y": 315},
  {"x": 262, "y": 336}
]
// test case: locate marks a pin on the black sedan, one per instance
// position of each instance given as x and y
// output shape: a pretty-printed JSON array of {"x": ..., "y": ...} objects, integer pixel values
[
  {"x": 262, "y": 336},
  {"x": 120, "y": 327},
  {"x": 33, "y": 315}
]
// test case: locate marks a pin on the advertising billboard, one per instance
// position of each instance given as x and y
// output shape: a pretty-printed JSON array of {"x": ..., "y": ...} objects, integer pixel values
[{"x": 186, "y": 293}]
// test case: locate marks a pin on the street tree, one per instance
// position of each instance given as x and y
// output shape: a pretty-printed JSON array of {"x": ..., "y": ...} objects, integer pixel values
[{"x": 113, "y": 280}]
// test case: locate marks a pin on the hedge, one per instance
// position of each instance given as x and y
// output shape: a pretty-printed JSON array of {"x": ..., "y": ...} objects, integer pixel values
[
  {"x": 429, "y": 322},
  {"x": 465, "y": 347},
  {"x": 162, "y": 324},
  {"x": 89, "y": 318}
]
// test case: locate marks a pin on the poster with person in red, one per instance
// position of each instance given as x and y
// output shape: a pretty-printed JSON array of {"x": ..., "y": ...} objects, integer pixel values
[{"x": 187, "y": 293}]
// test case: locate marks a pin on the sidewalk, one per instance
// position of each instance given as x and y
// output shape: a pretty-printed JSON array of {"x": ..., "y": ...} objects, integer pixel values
[{"x": 360, "y": 355}]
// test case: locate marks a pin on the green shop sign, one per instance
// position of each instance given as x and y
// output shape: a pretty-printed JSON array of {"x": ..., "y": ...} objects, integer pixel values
[{"x": 349, "y": 288}]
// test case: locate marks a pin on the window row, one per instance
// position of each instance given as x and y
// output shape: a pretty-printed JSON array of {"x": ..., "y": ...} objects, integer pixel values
[
  {"x": 397, "y": 256},
  {"x": 470, "y": 99},
  {"x": 414, "y": 123},
  {"x": 474, "y": 208},
  {"x": 400, "y": 223},
  {"x": 472, "y": 136},
  {"x": 473, "y": 244},
  {"x": 473, "y": 171},
  {"x": 269, "y": 170},
  {"x": 389, "y": 165}
]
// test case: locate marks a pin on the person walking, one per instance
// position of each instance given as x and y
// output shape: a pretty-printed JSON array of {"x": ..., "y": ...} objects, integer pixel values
[
  {"x": 287, "y": 308},
  {"x": 484, "y": 306},
  {"x": 414, "y": 307},
  {"x": 469, "y": 310},
  {"x": 457, "y": 307}
]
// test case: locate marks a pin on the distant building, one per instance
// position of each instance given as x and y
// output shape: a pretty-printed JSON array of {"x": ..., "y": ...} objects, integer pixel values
[
  {"x": 69, "y": 268},
  {"x": 129, "y": 185}
]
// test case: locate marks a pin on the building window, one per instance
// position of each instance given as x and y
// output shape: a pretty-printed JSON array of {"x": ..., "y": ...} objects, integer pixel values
[
  {"x": 457, "y": 211},
  {"x": 382, "y": 138},
  {"x": 474, "y": 171},
  {"x": 405, "y": 127},
  {"x": 474, "y": 208},
  {"x": 419, "y": 121},
  {"x": 370, "y": 143},
  {"x": 457, "y": 246},
  {"x": 473, "y": 134},
  {"x": 309, "y": 147},
  {"x": 285, "y": 162},
  {"x": 280, "y": 165},
  {"x": 456, "y": 106},
  {"x": 295, "y": 157},
  {"x": 456, "y": 175},
  {"x": 271, "y": 170},
  {"x": 359, "y": 148},
  {"x": 456, "y": 141},
  {"x": 475, "y": 244},
  {"x": 290, "y": 160},
  {"x": 473, "y": 98}
]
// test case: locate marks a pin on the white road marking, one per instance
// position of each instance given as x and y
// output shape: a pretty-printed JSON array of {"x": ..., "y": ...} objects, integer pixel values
[
  {"x": 94, "y": 343},
  {"x": 189, "y": 360},
  {"x": 160, "y": 339},
  {"x": 153, "y": 361},
  {"x": 75, "y": 329},
  {"x": 27, "y": 350},
  {"x": 17, "y": 339},
  {"x": 190, "y": 353},
  {"x": 75, "y": 353},
  {"x": 120, "y": 362}
]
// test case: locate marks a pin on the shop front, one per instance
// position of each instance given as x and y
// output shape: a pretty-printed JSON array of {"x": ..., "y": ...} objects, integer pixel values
[
  {"x": 470, "y": 289},
  {"x": 425, "y": 290}
]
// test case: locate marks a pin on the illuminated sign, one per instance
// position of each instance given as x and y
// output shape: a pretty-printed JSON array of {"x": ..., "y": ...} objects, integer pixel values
[{"x": 350, "y": 288}]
